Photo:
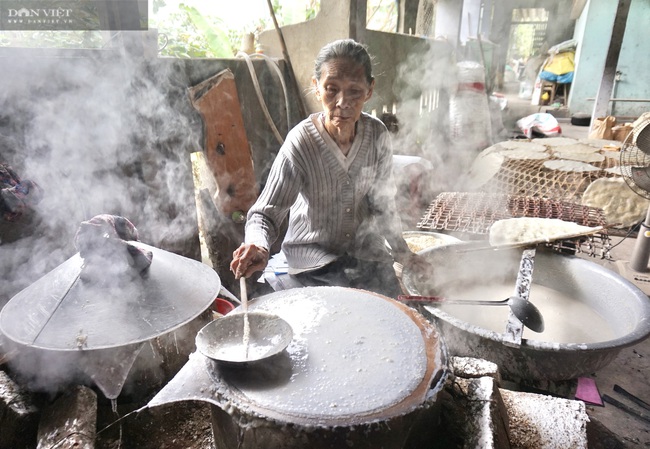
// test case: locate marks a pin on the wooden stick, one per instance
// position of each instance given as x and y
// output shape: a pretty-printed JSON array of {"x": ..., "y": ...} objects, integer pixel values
[
  {"x": 4, "y": 358},
  {"x": 243, "y": 292},
  {"x": 285, "y": 53}
]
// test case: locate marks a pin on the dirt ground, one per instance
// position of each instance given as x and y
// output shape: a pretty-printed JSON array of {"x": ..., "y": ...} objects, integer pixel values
[{"x": 182, "y": 425}]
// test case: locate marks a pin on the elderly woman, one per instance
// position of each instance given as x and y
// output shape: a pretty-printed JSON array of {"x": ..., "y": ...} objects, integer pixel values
[{"x": 333, "y": 177}]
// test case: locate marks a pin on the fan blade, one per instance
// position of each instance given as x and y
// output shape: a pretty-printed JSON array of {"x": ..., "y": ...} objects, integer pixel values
[
  {"x": 641, "y": 177},
  {"x": 642, "y": 139}
]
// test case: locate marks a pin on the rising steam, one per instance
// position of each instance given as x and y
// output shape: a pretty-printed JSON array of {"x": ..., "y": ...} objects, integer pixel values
[{"x": 100, "y": 132}]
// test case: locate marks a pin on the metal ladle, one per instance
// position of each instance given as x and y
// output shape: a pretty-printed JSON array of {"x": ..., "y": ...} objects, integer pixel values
[
  {"x": 525, "y": 311},
  {"x": 240, "y": 338}
]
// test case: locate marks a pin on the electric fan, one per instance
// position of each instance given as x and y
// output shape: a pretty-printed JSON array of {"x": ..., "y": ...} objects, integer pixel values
[{"x": 635, "y": 169}]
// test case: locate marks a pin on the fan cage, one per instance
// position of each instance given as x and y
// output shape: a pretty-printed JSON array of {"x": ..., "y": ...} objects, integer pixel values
[{"x": 635, "y": 159}]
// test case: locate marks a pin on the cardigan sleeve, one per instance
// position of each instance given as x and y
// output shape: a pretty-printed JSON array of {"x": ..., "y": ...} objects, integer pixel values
[{"x": 266, "y": 216}]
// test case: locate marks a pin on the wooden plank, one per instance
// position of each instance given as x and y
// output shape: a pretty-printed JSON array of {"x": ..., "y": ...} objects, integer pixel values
[
  {"x": 601, "y": 107},
  {"x": 18, "y": 415},
  {"x": 226, "y": 146},
  {"x": 70, "y": 422},
  {"x": 219, "y": 234}
]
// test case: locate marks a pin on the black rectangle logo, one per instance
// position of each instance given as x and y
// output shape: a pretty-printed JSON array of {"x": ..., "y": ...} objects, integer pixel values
[{"x": 86, "y": 15}]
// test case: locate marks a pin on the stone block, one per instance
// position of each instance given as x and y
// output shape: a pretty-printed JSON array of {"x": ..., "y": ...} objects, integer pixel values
[
  {"x": 18, "y": 415},
  {"x": 545, "y": 422},
  {"x": 70, "y": 422},
  {"x": 471, "y": 368},
  {"x": 475, "y": 415}
]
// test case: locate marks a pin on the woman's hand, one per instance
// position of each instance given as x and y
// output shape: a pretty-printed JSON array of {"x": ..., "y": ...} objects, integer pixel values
[{"x": 247, "y": 259}]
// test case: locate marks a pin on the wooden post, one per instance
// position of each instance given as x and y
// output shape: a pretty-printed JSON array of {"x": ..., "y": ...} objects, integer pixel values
[
  {"x": 603, "y": 98},
  {"x": 219, "y": 234},
  {"x": 224, "y": 179}
]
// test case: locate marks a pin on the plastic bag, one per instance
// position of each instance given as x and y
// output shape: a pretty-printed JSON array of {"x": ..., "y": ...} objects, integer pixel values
[
  {"x": 540, "y": 123},
  {"x": 560, "y": 64}
]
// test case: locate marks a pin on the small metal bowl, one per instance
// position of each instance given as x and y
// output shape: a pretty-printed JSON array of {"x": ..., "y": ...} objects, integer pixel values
[{"x": 222, "y": 340}]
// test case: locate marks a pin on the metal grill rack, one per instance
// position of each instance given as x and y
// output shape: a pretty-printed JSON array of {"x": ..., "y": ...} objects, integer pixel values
[
  {"x": 474, "y": 213},
  {"x": 531, "y": 178}
]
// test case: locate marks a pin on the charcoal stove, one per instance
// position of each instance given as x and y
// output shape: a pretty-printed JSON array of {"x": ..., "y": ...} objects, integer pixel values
[{"x": 362, "y": 371}]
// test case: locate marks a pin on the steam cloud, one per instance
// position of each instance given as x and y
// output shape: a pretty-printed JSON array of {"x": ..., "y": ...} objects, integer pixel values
[
  {"x": 423, "y": 80},
  {"x": 102, "y": 132}
]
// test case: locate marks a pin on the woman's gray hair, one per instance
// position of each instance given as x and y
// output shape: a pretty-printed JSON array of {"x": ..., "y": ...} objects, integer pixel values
[{"x": 344, "y": 48}]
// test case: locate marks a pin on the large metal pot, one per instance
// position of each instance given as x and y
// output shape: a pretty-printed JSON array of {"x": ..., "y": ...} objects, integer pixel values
[{"x": 624, "y": 308}]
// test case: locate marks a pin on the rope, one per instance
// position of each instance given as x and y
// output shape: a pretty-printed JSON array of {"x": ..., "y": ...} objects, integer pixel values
[{"x": 260, "y": 97}]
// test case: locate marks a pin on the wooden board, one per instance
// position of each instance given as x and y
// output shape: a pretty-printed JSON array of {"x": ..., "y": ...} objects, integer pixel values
[{"x": 226, "y": 146}]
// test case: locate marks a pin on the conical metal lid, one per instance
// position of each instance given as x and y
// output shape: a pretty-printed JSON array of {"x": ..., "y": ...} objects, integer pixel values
[{"x": 68, "y": 310}]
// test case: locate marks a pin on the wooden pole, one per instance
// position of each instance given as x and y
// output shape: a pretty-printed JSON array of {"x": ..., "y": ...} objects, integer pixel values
[
  {"x": 601, "y": 106},
  {"x": 285, "y": 53}
]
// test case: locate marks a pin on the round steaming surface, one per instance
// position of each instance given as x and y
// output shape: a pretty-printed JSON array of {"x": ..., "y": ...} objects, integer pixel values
[{"x": 353, "y": 352}]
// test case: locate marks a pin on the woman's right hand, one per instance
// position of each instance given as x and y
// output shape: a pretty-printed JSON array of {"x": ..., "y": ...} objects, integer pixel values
[{"x": 247, "y": 259}]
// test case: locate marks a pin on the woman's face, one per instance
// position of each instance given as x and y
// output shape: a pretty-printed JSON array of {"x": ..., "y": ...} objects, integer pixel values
[{"x": 343, "y": 90}]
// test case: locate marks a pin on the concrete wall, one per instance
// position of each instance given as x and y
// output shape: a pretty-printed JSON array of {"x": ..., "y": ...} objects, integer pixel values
[
  {"x": 304, "y": 40},
  {"x": 593, "y": 31},
  {"x": 409, "y": 70}
]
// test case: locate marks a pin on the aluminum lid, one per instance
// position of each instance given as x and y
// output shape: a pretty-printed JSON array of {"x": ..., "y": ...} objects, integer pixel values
[{"x": 63, "y": 311}]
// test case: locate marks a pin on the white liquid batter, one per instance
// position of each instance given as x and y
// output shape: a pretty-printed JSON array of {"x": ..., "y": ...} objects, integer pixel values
[
  {"x": 566, "y": 320},
  {"x": 247, "y": 350},
  {"x": 352, "y": 352}
]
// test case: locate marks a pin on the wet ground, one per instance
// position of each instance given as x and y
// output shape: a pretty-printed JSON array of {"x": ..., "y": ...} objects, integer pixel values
[{"x": 629, "y": 370}]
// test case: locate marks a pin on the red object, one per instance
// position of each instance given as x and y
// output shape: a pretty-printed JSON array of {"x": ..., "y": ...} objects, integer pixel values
[
  {"x": 476, "y": 86},
  {"x": 222, "y": 306},
  {"x": 587, "y": 391}
]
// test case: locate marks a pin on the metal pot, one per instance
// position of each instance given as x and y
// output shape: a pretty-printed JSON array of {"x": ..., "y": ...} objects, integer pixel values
[
  {"x": 624, "y": 308},
  {"x": 242, "y": 338},
  {"x": 64, "y": 322}
]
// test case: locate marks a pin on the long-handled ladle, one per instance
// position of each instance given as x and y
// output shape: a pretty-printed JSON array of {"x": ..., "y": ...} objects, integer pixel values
[
  {"x": 244, "y": 306},
  {"x": 524, "y": 310}
]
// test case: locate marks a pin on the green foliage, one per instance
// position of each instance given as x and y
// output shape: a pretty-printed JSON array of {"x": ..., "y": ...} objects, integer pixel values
[
  {"x": 522, "y": 40},
  {"x": 51, "y": 39},
  {"x": 211, "y": 29},
  {"x": 189, "y": 34},
  {"x": 312, "y": 9},
  {"x": 381, "y": 15},
  {"x": 186, "y": 32},
  {"x": 158, "y": 5}
]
